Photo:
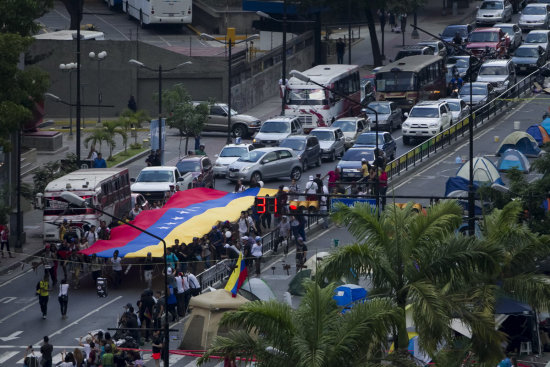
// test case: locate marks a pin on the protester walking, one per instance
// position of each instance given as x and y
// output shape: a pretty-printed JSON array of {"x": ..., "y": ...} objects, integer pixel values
[
  {"x": 340, "y": 50},
  {"x": 63, "y": 297},
  {"x": 5, "y": 240},
  {"x": 46, "y": 350},
  {"x": 257, "y": 252},
  {"x": 148, "y": 266},
  {"x": 157, "y": 347},
  {"x": 43, "y": 292},
  {"x": 117, "y": 268},
  {"x": 283, "y": 234}
]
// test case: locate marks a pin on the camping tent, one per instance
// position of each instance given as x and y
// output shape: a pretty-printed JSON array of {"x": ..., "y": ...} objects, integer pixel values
[
  {"x": 485, "y": 171},
  {"x": 540, "y": 134},
  {"x": 546, "y": 124},
  {"x": 512, "y": 158},
  {"x": 521, "y": 141},
  {"x": 457, "y": 187},
  {"x": 207, "y": 311},
  {"x": 256, "y": 289},
  {"x": 347, "y": 294}
]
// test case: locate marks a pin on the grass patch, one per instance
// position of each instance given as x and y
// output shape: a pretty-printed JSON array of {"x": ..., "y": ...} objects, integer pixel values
[{"x": 122, "y": 156}]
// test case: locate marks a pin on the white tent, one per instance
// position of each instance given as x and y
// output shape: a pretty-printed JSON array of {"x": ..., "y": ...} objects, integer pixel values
[{"x": 485, "y": 171}]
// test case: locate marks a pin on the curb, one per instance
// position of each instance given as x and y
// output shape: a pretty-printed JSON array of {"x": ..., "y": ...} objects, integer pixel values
[
  {"x": 133, "y": 159},
  {"x": 25, "y": 260}
]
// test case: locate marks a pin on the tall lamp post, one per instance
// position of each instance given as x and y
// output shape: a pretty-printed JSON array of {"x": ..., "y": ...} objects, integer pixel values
[
  {"x": 229, "y": 43},
  {"x": 301, "y": 76},
  {"x": 82, "y": 203},
  {"x": 99, "y": 57},
  {"x": 69, "y": 68},
  {"x": 160, "y": 70}
]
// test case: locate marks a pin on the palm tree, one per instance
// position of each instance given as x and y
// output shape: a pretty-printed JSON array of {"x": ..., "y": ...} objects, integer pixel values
[
  {"x": 112, "y": 128},
  {"x": 98, "y": 135},
  {"x": 315, "y": 334},
  {"x": 129, "y": 119},
  {"x": 419, "y": 262}
]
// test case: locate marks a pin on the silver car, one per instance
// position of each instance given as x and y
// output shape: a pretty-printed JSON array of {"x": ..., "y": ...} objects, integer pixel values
[
  {"x": 513, "y": 31},
  {"x": 276, "y": 129},
  {"x": 390, "y": 115},
  {"x": 332, "y": 142},
  {"x": 534, "y": 16},
  {"x": 459, "y": 108},
  {"x": 352, "y": 127},
  {"x": 539, "y": 38},
  {"x": 494, "y": 11},
  {"x": 264, "y": 163}
]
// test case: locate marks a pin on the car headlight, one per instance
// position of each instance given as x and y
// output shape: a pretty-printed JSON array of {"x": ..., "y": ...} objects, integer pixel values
[
  {"x": 256, "y": 140},
  {"x": 348, "y": 138},
  {"x": 219, "y": 164},
  {"x": 299, "y": 156},
  {"x": 406, "y": 125},
  {"x": 434, "y": 124},
  {"x": 245, "y": 169},
  {"x": 410, "y": 101}
]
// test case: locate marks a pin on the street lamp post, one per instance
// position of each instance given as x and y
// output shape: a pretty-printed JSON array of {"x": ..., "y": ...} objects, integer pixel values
[
  {"x": 82, "y": 203},
  {"x": 99, "y": 57},
  {"x": 69, "y": 68},
  {"x": 160, "y": 70},
  {"x": 229, "y": 42}
]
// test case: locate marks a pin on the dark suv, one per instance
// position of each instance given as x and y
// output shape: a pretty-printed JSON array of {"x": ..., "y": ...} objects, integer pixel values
[
  {"x": 200, "y": 168},
  {"x": 307, "y": 149}
]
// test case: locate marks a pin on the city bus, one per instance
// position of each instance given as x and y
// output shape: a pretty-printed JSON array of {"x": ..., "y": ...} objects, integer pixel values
[
  {"x": 411, "y": 79},
  {"x": 105, "y": 188},
  {"x": 316, "y": 106},
  {"x": 159, "y": 11}
]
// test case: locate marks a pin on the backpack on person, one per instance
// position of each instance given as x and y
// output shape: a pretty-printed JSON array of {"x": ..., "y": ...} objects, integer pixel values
[{"x": 32, "y": 361}]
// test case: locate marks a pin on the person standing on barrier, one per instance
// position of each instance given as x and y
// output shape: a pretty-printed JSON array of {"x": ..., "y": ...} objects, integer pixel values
[
  {"x": 216, "y": 240},
  {"x": 180, "y": 294},
  {"x": 193, "y": 290},
  {"x": 323, "y": 206},
  {"x": 257, "y": 252},
  {"x": 382, "y": 187},
  {"x": 283, "y": 234}
]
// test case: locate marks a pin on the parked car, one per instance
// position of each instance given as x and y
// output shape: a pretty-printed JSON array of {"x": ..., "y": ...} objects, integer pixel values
[
  {"x": 539, "y": 38},
  {"x": 331, "y": 140},
  {"x": 513, "y": 31},
  {"x": 436, "y": 45},
  {"x": 385, "y": 143},
  {"x": 494, "y": 11},
  {"x": 390, "y": 115},
  {"x": 426, "y": 119},
  {"x": 535, "y": 16},
  {"x": 141, "y": 201},
  {"x": 462, "y": 65},
  {"x": 229, "y": 154},
  {"x": 158, "y": 183},
  {"x": 276, "y": 129},
  {"x": 307, "y": 149},
  {"x": 200, "y": 168},
  {"x": 493, "y": 38},
  {"x": 241, "y": 125},
  {"x": 413, "y": 50},
  {"x": 500, "y": 73},
  {"x": 450, "y": 31},
  {"x": 482, "y": 92},
  {"x": 528, "y": 58},
  {"x": 351, "y": 163},
  {"x": 265, "y": 163},
  {"x": 352, "y": 127},
  {"x": 459, "y": 108}
]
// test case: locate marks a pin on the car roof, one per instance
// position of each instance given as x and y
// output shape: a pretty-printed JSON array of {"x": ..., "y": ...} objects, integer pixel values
[
  {"x": 351, "y": 118},
  {"x": 429, "y": 103},
  {"x": 496, "y": 62},
  {"x": 361, "y": 149},
  {"x": 498, "y": 25},
  {"x": 487, "y": 29},
  {"x": 413, "y": 47},
  {"x": 374, "y": 132},
  {"x": 478, "y": 83},
  {"x": 156, "y": 168},
  {"x": 457, "y": 26},
  {"x": 271, "y": 149},
  {"x": 537, "y": 5},
  {"x": 534, "y": 31},
  {"x": 451, "y": 99},
  {"x": 242, "y": 145},
  {"x": 326, "y": 128},
  {"x": 529, "y": 45},
  {"x": 281, "y": 118},
  {"x": 192, "y": 158},
  {"x": 297, "y": 137}
]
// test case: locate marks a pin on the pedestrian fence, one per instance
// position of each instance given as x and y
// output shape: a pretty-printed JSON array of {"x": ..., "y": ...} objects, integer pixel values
[{"x": 447, "y": 137}]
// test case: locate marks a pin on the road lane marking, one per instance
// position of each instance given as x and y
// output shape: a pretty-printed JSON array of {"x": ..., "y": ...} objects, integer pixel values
[
  {"x": 18, "y": 311},
  {"x": 5, "y": 356},
  {"x": 16, "y": 277},
  {"x": 82, "y": 318}
]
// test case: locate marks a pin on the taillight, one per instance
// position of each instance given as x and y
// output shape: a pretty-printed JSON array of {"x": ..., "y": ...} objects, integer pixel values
[
  {"x": 152, "y": 11},
  {"x": 326, "y": 107}
]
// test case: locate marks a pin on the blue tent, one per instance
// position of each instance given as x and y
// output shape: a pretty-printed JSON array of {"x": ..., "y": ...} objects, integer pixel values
[
  {"x": 521, "y": 141},
  {"x": 512, "y": 158},
  {"x": 540, "y": 134},
  {"x": 348, "y": 294},
  {"x": 457, "y": 187},
  {"x": 546, "y": 124}
]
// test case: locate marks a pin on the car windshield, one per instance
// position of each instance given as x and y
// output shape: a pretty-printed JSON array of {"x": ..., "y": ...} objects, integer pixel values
[
  {"x": 477, "y": 89},
  {"x": 526, "y": 52},
  {"x": 534, "y": 10},
  {"x": 253, "y": 156},
  {"x": 323, "y": 135},
  {"x": 429, "y": 112},
  {"x": 233, "y": 151},
  {"x": 370, "y": 139},
  {"x": 493, "y": 70},
  {"x": 378, "y": 107},
  {"x": 458, "y": 62},
  {"x": 189, "y": 166},
  {"x": 155, "y": 176},
  {"x": 492, "y": 5},
  {"x": 483, "y": 37},
  {"x": 358, "y": 155},
  {"x": 396, "y": 81},
  {"x": 536, "y": 38},
  {"x": 454, "y": 106},
  {"x": 347, "y": 126},
  {"x": 450, "y": 31},
  {"x": 294, "y": 144},
  {"x": 306, "y": 96},
  {"x": 507, "y": 29},
  {"x": 275, "y": 127}
]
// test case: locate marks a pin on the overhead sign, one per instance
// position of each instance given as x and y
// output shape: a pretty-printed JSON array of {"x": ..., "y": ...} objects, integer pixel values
[{"x": 352, "y": 201}]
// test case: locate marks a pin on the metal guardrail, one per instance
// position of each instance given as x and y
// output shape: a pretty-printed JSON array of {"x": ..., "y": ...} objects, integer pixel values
[
  {"x": 446, "y": 138},
  {"x": 221, "y": 270}
]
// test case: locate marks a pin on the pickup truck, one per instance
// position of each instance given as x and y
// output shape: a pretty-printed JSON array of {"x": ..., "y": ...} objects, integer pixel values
[{"x": 159, "y": 183}]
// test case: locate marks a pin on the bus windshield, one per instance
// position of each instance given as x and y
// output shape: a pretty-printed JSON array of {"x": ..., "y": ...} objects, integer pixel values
[
  {"x": 396, "y": 82},
  {"x": 306, "y": 97},
  {"x": 58, "y": 206}
]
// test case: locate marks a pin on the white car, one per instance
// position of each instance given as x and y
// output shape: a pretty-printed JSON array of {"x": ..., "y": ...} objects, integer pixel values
[
  {"x": 459, "y": 108},
  {"x": 158, "y": 183},
  {"x": 426, "y": 119},
  {"x": 229, "y": 154},
  {"x": 276, "y": 129}
]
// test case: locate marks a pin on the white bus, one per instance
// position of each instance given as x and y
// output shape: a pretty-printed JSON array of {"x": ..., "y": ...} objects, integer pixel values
[
  {"x": 159, "y": 11},
  {"x": 317, "y": 106},
  {"x": 106, "y": 188}
]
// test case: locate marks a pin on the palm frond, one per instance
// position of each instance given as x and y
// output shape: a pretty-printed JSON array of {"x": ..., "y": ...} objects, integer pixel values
[
  {"x": 361, "y": 221},
  {"x": 530, "y": 288},
  {"x": 237, "y": 343}
]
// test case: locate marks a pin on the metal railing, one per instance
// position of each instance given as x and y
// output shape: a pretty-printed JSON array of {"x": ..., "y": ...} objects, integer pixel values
[{"x": 447, "y": 137}]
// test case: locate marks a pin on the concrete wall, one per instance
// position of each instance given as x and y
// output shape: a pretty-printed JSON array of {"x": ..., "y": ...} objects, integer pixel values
[{"x": 216, "y": 21}]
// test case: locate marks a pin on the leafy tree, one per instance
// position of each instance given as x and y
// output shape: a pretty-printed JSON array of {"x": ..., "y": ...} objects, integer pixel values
[
  {"x": 19, "y": 16},
  {"x": 129, "y": 119},
  {"x": 184, "y": 116},
  {"x": 315, "y": 334},
  {"x": 97, "y": 136},
  {"x": 420, "y": 262},
  {"x": 113, "y": 128}
]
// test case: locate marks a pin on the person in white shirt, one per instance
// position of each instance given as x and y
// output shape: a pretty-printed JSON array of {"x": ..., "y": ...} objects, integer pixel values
[
  {"x": 63, "y": 297},
  {"x": 180, "y": 295},
  {"x": 323, "y": 206},
  {"x": 192, "y": 288},
  {"x": 311, "y": 189},
  {"x": 134, "y": 212},
  {"x": 243, "y": 225},
  {"x": 257, "y": 253},
  {"x": 91, "y": 235},
  {"x": 117, "y": 268}
]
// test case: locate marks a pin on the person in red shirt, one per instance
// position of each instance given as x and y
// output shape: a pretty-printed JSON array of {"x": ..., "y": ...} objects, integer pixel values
[
  {"x": 333, "y": 177},
  {"x": 382, "y": 186}
]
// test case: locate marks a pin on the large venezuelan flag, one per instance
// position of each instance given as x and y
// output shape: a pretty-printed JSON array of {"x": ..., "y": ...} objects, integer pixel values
[
  {"x": 188, "y": 214},
  {"x": 238, "y": 276}
]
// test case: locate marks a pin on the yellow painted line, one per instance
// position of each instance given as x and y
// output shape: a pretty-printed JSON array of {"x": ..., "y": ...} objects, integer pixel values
[{"x": 194, "y": 29}]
